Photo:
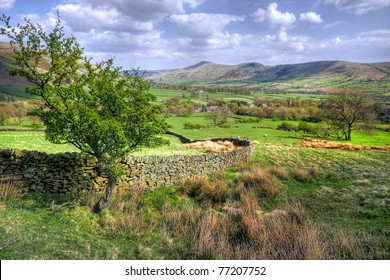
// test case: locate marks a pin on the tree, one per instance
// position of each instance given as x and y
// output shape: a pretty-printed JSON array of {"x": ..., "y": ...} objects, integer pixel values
[
  {"x": 95, "y": 107},
  {"x": 220, "y": 115},
  {"x": 347, "y": 107}
]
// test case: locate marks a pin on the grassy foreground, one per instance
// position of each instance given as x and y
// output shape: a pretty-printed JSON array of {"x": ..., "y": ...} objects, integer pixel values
[{"x": 289, "y": 203}]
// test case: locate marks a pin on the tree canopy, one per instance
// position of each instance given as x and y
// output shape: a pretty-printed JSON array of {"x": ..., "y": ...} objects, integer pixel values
[
  {"x": 100, "y": 109},
  {"x": 348, "y": 107}
]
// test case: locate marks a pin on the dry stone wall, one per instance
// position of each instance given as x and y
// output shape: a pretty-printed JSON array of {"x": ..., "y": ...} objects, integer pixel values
[{"x": 70, "y": 173}]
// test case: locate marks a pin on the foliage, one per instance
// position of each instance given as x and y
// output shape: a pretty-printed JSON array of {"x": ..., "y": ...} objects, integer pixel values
[
  {"x": 248, "y": 120},
  {"x": 345, "y": 108},
  {"x": 306, "y": 128},
  {"x": 220, "y": 115},
  {"x": 188, "y": 125},
  {"x": 287, "y": 127},
  {"x": 96, "y": 108}
]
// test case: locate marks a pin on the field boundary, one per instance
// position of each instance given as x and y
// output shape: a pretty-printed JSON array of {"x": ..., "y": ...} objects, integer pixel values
[{"x": 71, "y": 173}]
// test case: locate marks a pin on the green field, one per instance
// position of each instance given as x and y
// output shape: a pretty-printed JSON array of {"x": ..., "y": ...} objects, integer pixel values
[
  {"x": 35, "y": 141},
  {"x": 342, "y": 198},
  {"x": 164, "y": 94},
  {"x": 264, "y": 132}
]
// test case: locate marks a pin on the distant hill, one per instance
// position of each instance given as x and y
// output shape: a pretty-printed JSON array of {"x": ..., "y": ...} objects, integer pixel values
[
  {"x": 311, "y": 77},
  {"x": 205, "y": 71},
  {"x": 308, "y": 77},
  {"x": 10, "y": 86}
]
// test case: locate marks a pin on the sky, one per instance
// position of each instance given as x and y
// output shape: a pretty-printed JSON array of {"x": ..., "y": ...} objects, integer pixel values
[{"x": 167, "y": 34}]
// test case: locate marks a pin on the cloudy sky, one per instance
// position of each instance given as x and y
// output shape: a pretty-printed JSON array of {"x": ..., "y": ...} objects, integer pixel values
[{"x": 163, "y": 34}]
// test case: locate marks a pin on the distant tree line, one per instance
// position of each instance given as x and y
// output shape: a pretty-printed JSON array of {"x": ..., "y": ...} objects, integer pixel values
[
  {"x": 336, "y": 116},
  {"x": 199, "y": 89}
]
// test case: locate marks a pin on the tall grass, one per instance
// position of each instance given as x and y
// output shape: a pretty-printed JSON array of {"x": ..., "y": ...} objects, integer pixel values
[
  {"x": 261, "y": 181},
  {"x": 206, "y": 192},
  {"x": 243, "y": 232},
  {"x": 10, "y": 190}
]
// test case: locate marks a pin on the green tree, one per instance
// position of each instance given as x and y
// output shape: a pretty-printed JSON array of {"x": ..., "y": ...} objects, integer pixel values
[
  {"x": 98, "y": 108},
  {"x": 220, "y": 115},
  {"x": 346, "y": 108}
]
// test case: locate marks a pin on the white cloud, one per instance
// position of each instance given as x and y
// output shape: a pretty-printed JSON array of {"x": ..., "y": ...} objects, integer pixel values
[
  {"x": 332, "y": 24},
  {"x": 85, "y": 18},
  {"x": 120, "y": 15},
  {"x": 6, "y": 4},
  {"x": 145, "y": 10},
  {"x": 203, "y": 25},
  {"x": 273, "y": 17},
  {"x": 359, "y": 6},
  {"x": 310, "y": 17}
]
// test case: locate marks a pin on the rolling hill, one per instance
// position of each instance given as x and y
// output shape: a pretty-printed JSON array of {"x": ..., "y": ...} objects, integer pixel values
[
  {"x": 308, "y": 77},
  {"x": 311, "y": 77}
]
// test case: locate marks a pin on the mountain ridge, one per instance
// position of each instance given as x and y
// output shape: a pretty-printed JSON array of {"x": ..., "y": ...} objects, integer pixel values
[
  {"x": 313, "y": 77},
  {"x": 309, "y": 76}
]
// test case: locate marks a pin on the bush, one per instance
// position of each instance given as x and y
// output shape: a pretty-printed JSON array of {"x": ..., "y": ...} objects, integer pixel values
[
  {"x": 248, "y": 120},
  {"x": 188, "y": 125},
  {"x": 287, "y": 127},
  {"x": 37, "y": 125},
  {"x": 306, "y": 128}
]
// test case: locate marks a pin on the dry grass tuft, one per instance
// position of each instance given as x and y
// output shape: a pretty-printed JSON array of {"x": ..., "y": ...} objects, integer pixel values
[
  {"x": 89, "y": 198},
  {"x": 302, "y": 175},
  {"x": 279, "y": 172},
  {"x": 347, "y": 245},
  {"x": 10, "y": 190},
  {"x": 205, "y": 192},
  {"x": 123, "y": 215},
  {"x": 260, "y": 181},
  {"x": 314, "y": 171},
  {"x": 243, "y": 232},
  {"x": 213, "y": 147},
  {"x": 362, "y": 182},
  {"x": 315, "y": 143}
]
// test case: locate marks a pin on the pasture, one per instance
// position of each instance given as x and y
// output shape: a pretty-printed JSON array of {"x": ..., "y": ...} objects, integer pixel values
[{"x": 340, "y": 198}]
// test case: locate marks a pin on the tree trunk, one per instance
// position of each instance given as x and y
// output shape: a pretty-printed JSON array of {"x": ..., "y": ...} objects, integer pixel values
[
  {"x": 349, "y": 132},
  {"x": 104, "y": 201}
]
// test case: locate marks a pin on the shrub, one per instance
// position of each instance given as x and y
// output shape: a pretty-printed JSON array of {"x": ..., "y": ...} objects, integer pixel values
[
  {"x": 248, "y": 120},
  {"x": 188, "y": 125},
  {"x": 287, "y": 127},
  {"x": 260, "y": 181},
  {"x": 307, "y": 128}
]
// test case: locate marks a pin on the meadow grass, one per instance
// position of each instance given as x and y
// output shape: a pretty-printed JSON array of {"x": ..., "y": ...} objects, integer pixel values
[
  {"x": 263, "y": 132},
  {"x": 339, "y": 212},
  {"x": 35, "y": 141}
]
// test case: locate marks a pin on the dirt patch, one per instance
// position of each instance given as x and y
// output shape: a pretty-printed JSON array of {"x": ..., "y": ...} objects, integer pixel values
[
  {"x": 213, "y": 147},
  {"x": 315, "y": 143}
]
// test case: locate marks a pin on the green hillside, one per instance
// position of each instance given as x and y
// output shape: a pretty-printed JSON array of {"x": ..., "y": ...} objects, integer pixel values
[{"x": 312, "y": 77}]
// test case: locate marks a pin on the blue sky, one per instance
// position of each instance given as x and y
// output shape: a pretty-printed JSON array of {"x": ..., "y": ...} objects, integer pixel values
[{"x": 163, "y": 34}]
